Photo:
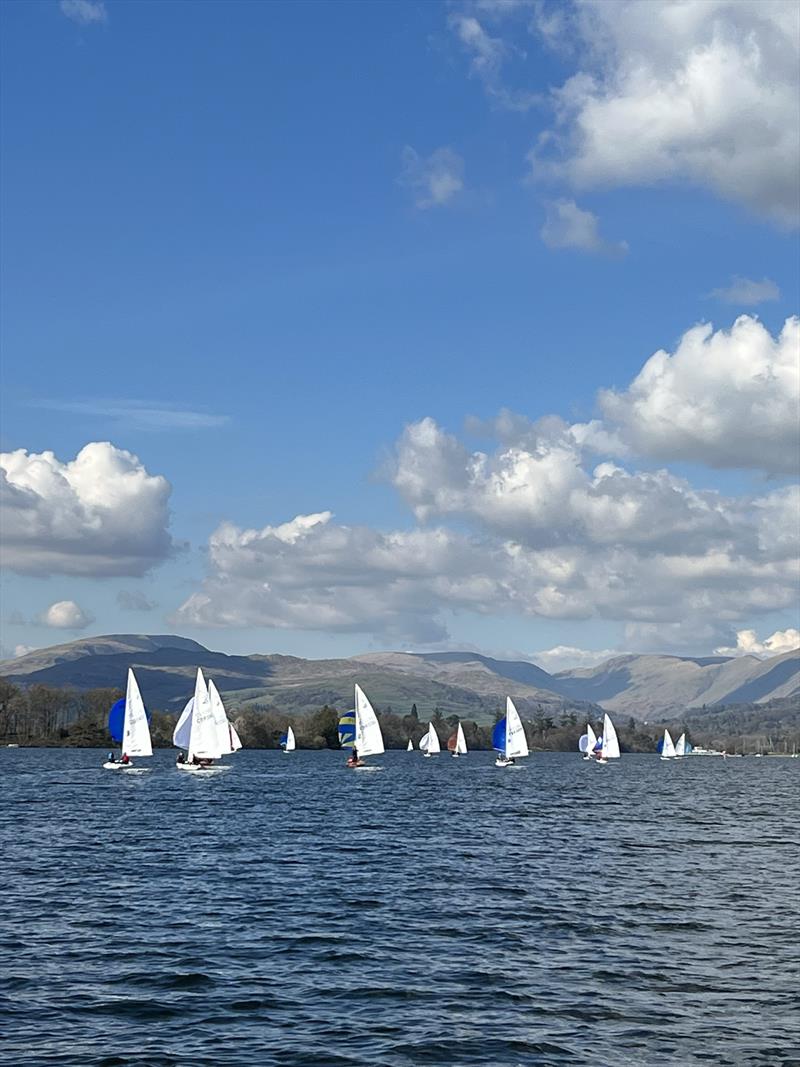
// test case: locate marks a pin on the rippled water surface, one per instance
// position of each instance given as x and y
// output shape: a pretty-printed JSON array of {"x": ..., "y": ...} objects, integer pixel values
[{"x": 440, "y": 911}]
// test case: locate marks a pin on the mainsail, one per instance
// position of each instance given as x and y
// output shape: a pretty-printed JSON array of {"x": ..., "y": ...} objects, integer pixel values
[
  {"x": 680, "y": 746},
  {"x": 667, "y": 746},
  {"x": 134, "y": 734},
  {"x": 203, "y": 737},
  {"x": 610, "y": 742},
  {"x": 368, "y": 736},
  {"x": 223, "y": 727}
]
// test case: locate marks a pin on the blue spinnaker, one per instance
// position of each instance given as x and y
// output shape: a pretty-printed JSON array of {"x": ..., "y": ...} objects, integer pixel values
[
  {"x": 284, "y": 739},
  {"x": 660, "y": 746},
  {"x": 499, "y": 735},
  {"x": 116, "y": 719},
  {"x": 347, "y": 729}
]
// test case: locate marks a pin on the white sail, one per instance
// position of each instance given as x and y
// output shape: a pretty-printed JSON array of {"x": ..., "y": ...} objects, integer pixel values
[
  {"x": 135, "y": 731},
  {"x": 610, "y": 749},
  {"x": 220, "y": 720},
  {"x": 680, "y": 746},
  {"x": 461, "y": 741},
  {"x": 667, "y": 748},
  {"x": 587, "y": 741},
  {"x": 236, "y": 744},
  {"x": 204, "y": 740},
  {"x": 291, "y": 743},
  {"x": 368, "y": 739},
  {"x": 181, "y": 735},
  {"x": 410, "y": 746},
  {"x": 430, "y": 742},
  {"x": 516, "y": 742}
]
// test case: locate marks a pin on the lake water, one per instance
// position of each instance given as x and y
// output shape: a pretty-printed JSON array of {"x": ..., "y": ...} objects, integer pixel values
[{"x": 291, "y": 912}]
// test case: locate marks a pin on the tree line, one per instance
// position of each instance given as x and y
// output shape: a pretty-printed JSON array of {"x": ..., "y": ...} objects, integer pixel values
[{"x": 47, "y": 715}]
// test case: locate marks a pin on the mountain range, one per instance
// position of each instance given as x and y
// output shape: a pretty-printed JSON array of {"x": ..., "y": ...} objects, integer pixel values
[{"x": 466, "y": 684}]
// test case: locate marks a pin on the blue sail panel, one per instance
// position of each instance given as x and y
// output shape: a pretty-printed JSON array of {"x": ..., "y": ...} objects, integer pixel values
[
  {"x": 660, "y": 745},
  {"x": 347, "y": 729},
  {"x": 284, "y": 739},
  {"x": 499, "y": 735},
  {"x": 116, "y": 719}
]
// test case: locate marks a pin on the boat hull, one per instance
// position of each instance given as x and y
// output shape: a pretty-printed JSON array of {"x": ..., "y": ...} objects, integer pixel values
[{"x": 113, "y": 765}]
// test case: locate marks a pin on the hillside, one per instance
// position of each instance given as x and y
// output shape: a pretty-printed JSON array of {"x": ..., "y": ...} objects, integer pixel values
[{"x": 460, "y": 683}]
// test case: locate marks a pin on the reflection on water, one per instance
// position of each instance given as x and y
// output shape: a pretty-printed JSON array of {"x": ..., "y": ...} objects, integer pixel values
[{"x": 442, "y": 911}]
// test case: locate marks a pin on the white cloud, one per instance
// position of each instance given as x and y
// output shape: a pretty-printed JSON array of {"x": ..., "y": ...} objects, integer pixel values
[
  {"x": 139, "y": 414},
  {"x": 489, "y": 54},
  {"x": 564, "y": 657},
  {"x": 746, "y": 292},
  {"x": 436, "y": 179},
  {"x": 99, "y": 514},
  {"x": 84, "y": 12},
  {"x": 748, "y": 644},
  {"x": 725, "y": 399},
  {"x": 568, "y": 226},
  {"x": 66, "y": 615},
  {"x": 703, "y": 90},
  {"x": 134, "y": 601}
]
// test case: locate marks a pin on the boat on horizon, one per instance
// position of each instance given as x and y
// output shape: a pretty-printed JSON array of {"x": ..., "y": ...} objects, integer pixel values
[
  {"x": 128, "y": 725},
  {"x": 587, "y": 743},
  {"x": 429, "y": 743},
  {"x": 667, "y": 746},
  {"x": 607, "y": 746},
  {"x": 457, "y": 743},
  {"x": 508, "y": 737},
  {"x": 288, "y": 742},
  {"x": 360, "y": 731}
]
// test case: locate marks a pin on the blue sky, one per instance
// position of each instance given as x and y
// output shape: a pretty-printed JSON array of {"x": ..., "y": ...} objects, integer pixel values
[{"x": 250, "y": 244}]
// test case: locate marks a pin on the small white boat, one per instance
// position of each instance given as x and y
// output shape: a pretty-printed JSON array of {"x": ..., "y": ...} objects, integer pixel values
[
  {"x": 667, "y": 747},
  {"x": 508, "y": 737},
  {"x": 133, "y": 732},
  {"x": 681, "y": 748},
  {"x": 609, "y": 742},
  {"x": 360, "y": 731},
  {"x": 288, "y": 742},
  {"x": 429, "y": 744},
  {"x": 457, "y": 743},
  {"x": 410, "y": 746},
  {"x": 587, "y": 743}
]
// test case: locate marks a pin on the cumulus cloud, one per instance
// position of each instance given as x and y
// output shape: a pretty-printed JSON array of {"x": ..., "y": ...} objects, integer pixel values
[
  {"x": 747, "y": 293},
  {"x": 434, "y": 179},
  {"x": 704, "y": 90},
  {"x": 568, "y": 226},
  {"x": 564, "y": 657},
  {"x": 135, "y": 601},
  {"x": 84, "y": 12},
  {"x": 748, "y": 644},
  {"x": 725, "y": 399},
  {"x": 66, "y": 615},
  {"x": 100, "y": 514}
]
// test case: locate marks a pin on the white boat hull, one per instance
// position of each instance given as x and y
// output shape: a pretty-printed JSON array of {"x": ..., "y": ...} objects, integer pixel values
[
  {"x": 502, "y": 762},
  {"x": 114, "y": 765},
  {"x": 198, "y": 768}
]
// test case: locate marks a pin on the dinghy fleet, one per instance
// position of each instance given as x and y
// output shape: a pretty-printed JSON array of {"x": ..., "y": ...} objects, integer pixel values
[{"x": 204, "y": 734}]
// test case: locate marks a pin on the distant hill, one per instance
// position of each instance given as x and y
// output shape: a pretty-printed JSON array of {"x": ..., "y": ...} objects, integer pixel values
[{"x": 461, "y": 683}]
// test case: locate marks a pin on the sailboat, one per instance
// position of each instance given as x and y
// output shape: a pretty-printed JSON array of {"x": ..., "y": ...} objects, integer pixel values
[
  {"x": 587, "y": 743},
  {"x": 681, "y": 747},
  {"x": 457, "y": 743},
  {"x": 410, "y": 746},
  {"x": 508, "y": 737},
  {"x": 196, "y": 731},
  {"x": 360, "y": 731},
  {"x": 608, "y": 743},
  {"x": 667, "y": 747},
  {"x": 127, "y": 723},
  {"x": 288, "y": 742},
  {"x": 226, "y": 732},
  {"x": 429, "y": 744}
]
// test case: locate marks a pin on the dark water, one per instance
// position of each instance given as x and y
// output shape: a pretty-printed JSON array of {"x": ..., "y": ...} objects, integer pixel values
[{"x": 434, "y": 912}]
